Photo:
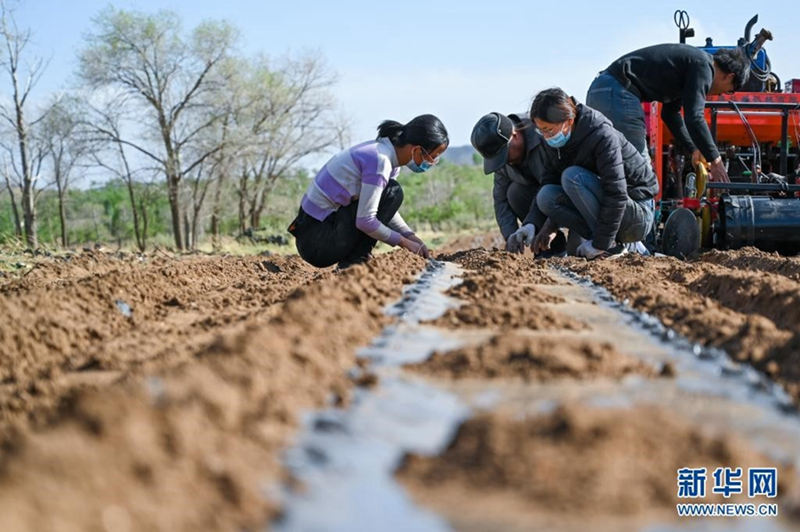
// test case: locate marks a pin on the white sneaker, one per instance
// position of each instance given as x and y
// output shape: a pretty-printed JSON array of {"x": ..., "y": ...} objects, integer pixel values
[
  {"x": 637, "y": 247},
  {"x": 574, "y": 240}
]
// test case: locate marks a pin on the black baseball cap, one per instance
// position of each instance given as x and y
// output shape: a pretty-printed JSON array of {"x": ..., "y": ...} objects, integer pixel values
[{"x": 491, "y": 137}]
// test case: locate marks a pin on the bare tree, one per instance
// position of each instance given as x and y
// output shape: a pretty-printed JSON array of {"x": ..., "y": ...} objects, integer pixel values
[
  {"x": 13, "y": 199},
  {"x": 232, "y": 133},
  {"x": 23, "y": 77},
  {"x": 200, "y": 184},
  {"x": 35, "y": 157},
  {"x": 109, "y": 152},
  {"x": 167, "y": 76},
  {"x": 224, "y": 140},
  {"x": 292, "y": 117},
  {"x": 223, "y": 163},
  {"x": 65, "y": 146}
]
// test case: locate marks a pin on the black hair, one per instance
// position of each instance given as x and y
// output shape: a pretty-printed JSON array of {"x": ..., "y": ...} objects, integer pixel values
[
  {"x": 734, "y": 61},
  {"x": 554, "y": 106},
  {"x": 425, "y": 130}
]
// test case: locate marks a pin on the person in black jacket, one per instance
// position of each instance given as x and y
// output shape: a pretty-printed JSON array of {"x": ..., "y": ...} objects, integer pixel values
[
  {"x": 512, "y": 149},
  {"x": 595, "y": 182},
  {"x": 679, "y": 76}
]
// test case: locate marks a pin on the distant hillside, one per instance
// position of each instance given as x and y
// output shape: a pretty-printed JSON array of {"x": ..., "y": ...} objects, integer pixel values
[{"x": 462, "y": 155}]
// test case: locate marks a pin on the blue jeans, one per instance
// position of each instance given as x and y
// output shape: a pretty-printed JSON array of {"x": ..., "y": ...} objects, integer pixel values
[
  {"x": 576, "y": 205},
  {"x": 622, "y": 107}
]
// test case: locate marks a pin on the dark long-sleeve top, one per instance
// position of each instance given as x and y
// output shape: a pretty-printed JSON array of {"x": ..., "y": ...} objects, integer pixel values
[
  {"x": 527, "y": 173},
  {"x": 678, "y": 75}
]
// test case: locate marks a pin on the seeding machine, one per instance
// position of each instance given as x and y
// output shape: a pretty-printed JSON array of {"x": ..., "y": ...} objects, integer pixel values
[{"x": 757, "y": 131}]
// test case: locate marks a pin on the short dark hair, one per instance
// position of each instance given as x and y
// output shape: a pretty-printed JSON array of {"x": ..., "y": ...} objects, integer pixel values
[
  {"x": 734, "y": 61},
  {"x": 553, "y": 105},
  {"x": 424, "y": 130}
]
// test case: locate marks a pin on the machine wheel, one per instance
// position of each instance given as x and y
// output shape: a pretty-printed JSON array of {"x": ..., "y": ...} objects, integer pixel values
[{"x": 681, "y": 236}]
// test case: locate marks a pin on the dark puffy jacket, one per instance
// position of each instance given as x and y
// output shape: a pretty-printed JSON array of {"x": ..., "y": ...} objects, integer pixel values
[{"x": 624, "y": 173}]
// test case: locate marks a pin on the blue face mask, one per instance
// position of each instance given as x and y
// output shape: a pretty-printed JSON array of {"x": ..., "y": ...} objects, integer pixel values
[
  {"x": 418, "y": 168},
  {"x": 558, "y": 140}
]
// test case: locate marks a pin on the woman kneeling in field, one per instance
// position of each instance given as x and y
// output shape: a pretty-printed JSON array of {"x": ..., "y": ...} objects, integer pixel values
[
  {"x": 595, "y": 182},
  {"x": 354, "y": 200}
]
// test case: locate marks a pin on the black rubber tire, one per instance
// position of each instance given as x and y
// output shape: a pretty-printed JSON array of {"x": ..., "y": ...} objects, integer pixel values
[{"x": 681, "y": 236}]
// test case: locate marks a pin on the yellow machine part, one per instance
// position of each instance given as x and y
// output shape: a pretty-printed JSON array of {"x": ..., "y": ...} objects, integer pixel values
[
  {"x": 702, "y": 179},
  {"x": 704, "y": 214},
  {"x": 705, "y": 225}
]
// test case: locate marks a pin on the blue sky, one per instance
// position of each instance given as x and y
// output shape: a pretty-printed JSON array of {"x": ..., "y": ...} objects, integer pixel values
[{"x": 456, "y": 59}]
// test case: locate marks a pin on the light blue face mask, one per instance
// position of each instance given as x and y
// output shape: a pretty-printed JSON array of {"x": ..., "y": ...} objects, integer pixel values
[
  {"x": 418, "y": 168},
  {"x": 558, "y": 140}
]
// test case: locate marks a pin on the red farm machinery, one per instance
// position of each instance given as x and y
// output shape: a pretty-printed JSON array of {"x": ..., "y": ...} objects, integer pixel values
[{"x": 757, "y": 131}]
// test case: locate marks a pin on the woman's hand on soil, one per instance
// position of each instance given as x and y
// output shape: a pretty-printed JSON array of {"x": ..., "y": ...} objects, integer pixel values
[
  {"x": 416, "y": 246},
  {"x": 424, "y": 252}
]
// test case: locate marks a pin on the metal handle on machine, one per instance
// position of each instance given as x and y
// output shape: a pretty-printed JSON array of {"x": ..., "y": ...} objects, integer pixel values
[
  {"x": 747, "y": 28},
  {"x": 755, "y": 187},
  {"x": 681, "y": 19},
  {"x": 753, "y": 139},
  {"x": 763, "y": 36}
]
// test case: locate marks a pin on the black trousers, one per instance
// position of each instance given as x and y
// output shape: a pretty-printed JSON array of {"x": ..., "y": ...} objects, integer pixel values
[
  {"x": 520, "y": 199},
  {"x": 336, "y": 238}
]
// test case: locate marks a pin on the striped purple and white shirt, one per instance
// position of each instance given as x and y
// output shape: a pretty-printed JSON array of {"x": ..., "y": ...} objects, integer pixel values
[{"x": 358, "y": 173}]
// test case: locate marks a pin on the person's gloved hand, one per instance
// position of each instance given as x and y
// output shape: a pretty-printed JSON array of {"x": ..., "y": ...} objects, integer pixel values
[
  {"x": 520, "y": 238},
  {"x": 586, "y": 249}
]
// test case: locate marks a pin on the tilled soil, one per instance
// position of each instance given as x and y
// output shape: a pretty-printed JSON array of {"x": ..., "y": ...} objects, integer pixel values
[
  {"x": 614, "y": 467},
  {"x": 172, "y": 418},
  {"x": 575, "y": 461},
  {"x": 533, "y": 358},
  {"x": 500, "y": 289},
  {"x": 158, "y": 392},
  {"x": 97, "y": 318},
  {"x": 746, "y": 302}
]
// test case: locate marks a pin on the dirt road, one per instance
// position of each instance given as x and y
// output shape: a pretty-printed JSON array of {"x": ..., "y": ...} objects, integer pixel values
[{"x": 161, "y": 393}]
